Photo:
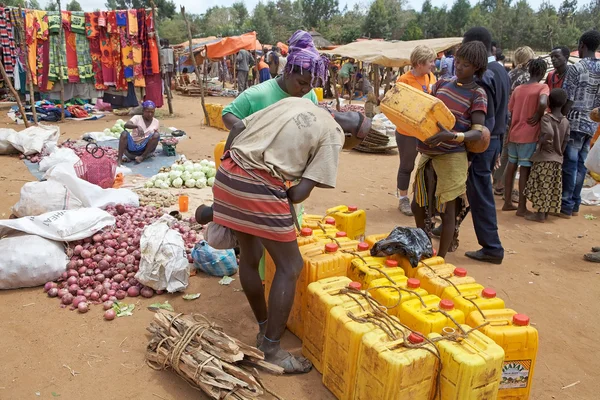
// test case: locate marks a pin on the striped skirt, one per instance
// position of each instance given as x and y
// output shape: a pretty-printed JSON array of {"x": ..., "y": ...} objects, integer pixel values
[{"x": 254, "y": 203}]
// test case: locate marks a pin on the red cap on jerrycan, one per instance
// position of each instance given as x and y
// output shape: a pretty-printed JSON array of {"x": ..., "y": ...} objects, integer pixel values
[
  {"x": 488, "y": 293},
  {"x": 460, "y": 272},
  {"x": 331, "y": 248},
  {"x": 355, "y": 285},
  {"x": 352, "y": 208},
  {"x": 415, "y": 338},
  {"x": 413, "y": 283},
  {"x": 363, "y": 246},
  {"x": 520, "y": 320},
  {"x": 391, "y": 263},
  {"x": 341, "y": 234},
  {"x": 447, "y": 305},
  {"x": 330, "y": 221},
  {"x": 306, "y": 232}
]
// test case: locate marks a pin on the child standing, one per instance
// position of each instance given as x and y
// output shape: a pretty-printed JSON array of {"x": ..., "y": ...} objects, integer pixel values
[
  {"x": 527, "y": 106},
  {"x": 544, "y": 187},
  {"x": 445, "y": 152}
]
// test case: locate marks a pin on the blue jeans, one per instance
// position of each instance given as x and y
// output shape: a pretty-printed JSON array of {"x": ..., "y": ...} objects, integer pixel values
[
  {"x": 574, "y": 171},
  {"x": 481, "y": 199}
]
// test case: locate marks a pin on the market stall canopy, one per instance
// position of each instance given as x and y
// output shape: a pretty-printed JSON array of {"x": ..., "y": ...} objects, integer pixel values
[
  {"x": 390, "y": 54},
  {"x": 231, "y": 45},
  {"x": 319, "y": 40},
  {"x": 196, "y": 42}
]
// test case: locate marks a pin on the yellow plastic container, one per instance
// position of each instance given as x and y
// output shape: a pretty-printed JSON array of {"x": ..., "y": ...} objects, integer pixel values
[
  {"x": 512, "y": 332},
  {"x": 306, "y": 237},
  {"x": 215, "y": 118},
  {"x": 437, "y": 278},
  {"x": 414, "y": 112},
  {"x": 319, "y": 93},
  {"x": 412, "y": 272},
  {"x": 325, "y": 233},
  {"x": 311, "y": 221},
  {"x": 392, "y": 298},
  {"x": 471, "y": 367},
  {"x": 350, "y": 220},
  {"x": 343, "y": 340},
  {"x": 484, "y": 298},
  {"x": 428, "y": 319},
  {"x": 218, "y": 152},
  {"x": 368, "y": 269},
  {"x": 388, "y": 370},
  {"x": 321, "y": 297},
  {"x": 372, "y": 239}
]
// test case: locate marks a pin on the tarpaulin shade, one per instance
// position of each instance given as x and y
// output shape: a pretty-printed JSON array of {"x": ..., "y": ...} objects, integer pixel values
[{"x": 231, "y": 45}]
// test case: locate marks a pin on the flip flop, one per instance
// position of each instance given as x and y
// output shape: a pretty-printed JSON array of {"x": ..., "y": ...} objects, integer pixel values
[{"x": 295, "y": 365}]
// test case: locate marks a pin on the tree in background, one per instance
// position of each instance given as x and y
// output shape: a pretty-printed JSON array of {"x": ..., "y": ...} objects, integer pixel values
[
  {"x": 51, "y": 6},
  {"x": 319, "y": 12},
  {"x": 376, "y": 23},
  {"x": 261, "y": 24},
  {"x": 74, "y": 6},
  {"x": 240, "y": 15},
  {"x": 164, "y": 8},
  {"x": 459, "y": 15}
]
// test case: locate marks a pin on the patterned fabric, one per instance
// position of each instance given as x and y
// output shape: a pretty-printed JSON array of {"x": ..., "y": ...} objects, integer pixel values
[
  {"x": 143, "y": 38},
  {"x": 57, "y": 57},
  {"x": 450, "y": 179},
  {"x": 121, "y": 18},
  {"x": 54, "y": 22},
  {"x": 252, "y": 202},
  {"x": 78, "y": 22},
  {"x": 582, "y": 85},
  {"x": 462, "y": 101},
  {"x": 84, "y": 59},
  {"x": 544, "y": 187},
  {"x": 71, "y": 48},
  {"x": 518, "y": 76},
  {"x": 93, "y": 35},
  {"x": 154, "y": 59},
  {"x": 7, "y": 42},
  {"x": 134, "y": 147},
  {"x": 132, "y": 23},
  {"x": 154, "y": 89}
]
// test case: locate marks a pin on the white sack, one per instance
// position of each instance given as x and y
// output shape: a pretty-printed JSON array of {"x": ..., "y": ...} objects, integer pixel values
[
  {"x": 30, "y": 260},
  {"x": 57, "y": 156},
  {"x": 164, "y": 264},
  {"x": 31, "y": 140},
  {"x": 42, "y": 197},
  {"x": 5, "y": 146},
  {"x": 592, "y": 162},
  {"x": 63, "y": 226}
]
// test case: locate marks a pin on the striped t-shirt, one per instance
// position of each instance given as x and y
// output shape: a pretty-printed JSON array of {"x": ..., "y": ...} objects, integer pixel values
[{"x": 461, "y": 100}]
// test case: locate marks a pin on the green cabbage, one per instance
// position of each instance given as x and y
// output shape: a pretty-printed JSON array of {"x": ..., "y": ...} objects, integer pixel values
[
  {"x": 190, "y": 183},
  {"x": 211, "y": 181},
  {"x": 201, "y": 183},
  {"x": 177, "y": 182},
  {"x": 197, "y": 175},
  {"x": 211, "y": 173}
]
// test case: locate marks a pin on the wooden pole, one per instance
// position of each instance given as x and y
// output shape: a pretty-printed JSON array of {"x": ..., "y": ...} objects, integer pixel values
[
  {"x": 198, "y": 77},
  {"x": 388, "y": 79},
  {"x": 14, "y": 93},
  {"x": 376, "y": 76},
  {"x": 24, "y": 49},
  {"x": 61, "y": 33},
  {"x": 334, "y": 77},
  {"x": 163, "y": 73}
]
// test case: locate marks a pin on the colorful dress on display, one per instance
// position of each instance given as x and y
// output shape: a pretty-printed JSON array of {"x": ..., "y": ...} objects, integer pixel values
[
  {"x": 93, "y": 35},
  {"x": 82, "y": 47},
  {"x": 57, "y": 51},
  {"x": 7, "y": 42}
]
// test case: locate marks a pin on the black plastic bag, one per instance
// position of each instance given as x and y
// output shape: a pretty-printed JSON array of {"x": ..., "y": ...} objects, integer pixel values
[{"x": 410, "y": 242}]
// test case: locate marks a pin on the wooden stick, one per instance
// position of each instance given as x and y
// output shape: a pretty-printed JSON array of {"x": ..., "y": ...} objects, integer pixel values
[
  {"x": 198, "y": 77},
  {"x": 334, "y": 77},
  {"x": 28, "y": 70},
  {"x": 166, "y": 74},
  {"x": 14, "y": 93},
  {"x": 61, "y": 33},
  {"x": 376, "y": 73}
]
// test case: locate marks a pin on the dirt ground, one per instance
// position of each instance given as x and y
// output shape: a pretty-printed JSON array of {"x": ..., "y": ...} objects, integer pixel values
[{"x": 543, "y": 276}]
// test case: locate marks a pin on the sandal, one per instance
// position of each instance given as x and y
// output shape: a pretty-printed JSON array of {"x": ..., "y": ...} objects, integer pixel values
[{"x": 295, "y": 365}]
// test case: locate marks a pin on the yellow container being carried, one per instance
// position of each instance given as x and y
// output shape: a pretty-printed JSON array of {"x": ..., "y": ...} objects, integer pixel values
[
  {"x": 215, "y": 117},
  {"x": 428, "y": 318},
  {"x": 218, "y": 152},
  {"x": 389, "y": 370},
  {"x": 319, "y": 93},
  {"x": 321, "y": 297},
  {"x": 512, "y": 332},
  {"x": 372, "y": 239},
  {"x": 435, "y": 279},
  {"x": 415, "y": 113},
  {"x": 350, "y": 220},
  {"x": 367, "y": 269},
  {"x": 471, "y": 367},
  {"x": 343, "y": 342},
  {"x": 412, "y": 272},
  {"x": 472, "y": 295},
  {"x": 392, "y": 298}
]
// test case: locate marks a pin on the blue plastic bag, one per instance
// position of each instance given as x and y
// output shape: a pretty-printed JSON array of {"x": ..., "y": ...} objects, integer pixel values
[{"x": 214, "y": 262}]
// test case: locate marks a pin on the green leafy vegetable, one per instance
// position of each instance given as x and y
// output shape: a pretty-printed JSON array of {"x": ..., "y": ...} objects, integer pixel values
[
  {"x": 191, "y": 296},
  {"x": 161, "y": 306},
  {"x": 123, "y": 309}
]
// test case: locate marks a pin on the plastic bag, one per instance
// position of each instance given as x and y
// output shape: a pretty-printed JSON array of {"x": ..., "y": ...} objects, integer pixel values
[
  {"x": 57, "y": 156},
  {"x": 593, "y": 159},
  {"x": 42, "y": 197},
  {"x": 90, "y": 195},
  {"x": 220, "y": 237},
  {"x": 410, "y": 242},
  {"x": 63, "y": 226},
  {"x": 30, "y": 260},
  {"x": 164, "y": 264},
  {"x": 5, "y": 146},
  {"x": 31, "y": 140},
  {"x": 214, "y": 262}
]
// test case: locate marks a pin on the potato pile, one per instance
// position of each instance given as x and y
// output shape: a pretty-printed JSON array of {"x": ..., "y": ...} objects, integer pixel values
[{"x": 156, "y": 199}]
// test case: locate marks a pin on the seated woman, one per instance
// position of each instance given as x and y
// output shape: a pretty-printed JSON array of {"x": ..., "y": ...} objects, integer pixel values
[{"x": 142, "y": 141}]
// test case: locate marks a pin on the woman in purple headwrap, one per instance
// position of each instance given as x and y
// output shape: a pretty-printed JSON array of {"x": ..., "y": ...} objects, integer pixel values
[
  {"x": 143, "y": 139},
  {"x": 304, "y": 69}
]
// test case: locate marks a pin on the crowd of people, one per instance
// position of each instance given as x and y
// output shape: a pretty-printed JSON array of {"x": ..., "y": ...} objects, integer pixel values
[{"x": 282, "y": 145}]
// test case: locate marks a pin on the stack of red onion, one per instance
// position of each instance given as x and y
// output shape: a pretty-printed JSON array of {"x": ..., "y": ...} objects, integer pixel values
[{"x": 102, "y": 268}]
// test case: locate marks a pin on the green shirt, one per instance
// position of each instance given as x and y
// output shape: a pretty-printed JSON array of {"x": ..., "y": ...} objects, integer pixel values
[
  {"x": 259, "y": 97},
  {"x": 346, "y": 70}
]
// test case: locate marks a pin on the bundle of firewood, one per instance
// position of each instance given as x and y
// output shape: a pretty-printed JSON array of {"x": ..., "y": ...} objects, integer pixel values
[{"x": 206, "y": 357}]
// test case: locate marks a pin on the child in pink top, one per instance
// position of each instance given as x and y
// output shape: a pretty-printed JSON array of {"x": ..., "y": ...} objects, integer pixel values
[{"x": 527, "y": 105}]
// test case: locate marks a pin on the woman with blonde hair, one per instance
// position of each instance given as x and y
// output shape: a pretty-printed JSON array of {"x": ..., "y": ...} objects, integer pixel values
[
  {"x": 520, "y": 74},
  {"x": 420, "y": 77}
]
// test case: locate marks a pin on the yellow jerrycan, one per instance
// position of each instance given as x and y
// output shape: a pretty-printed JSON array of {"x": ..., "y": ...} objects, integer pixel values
[
  {"x": 372, "y": 239},
  {"x": 390, "y": 370},
  {"x": 391, "y": 298},
  {"x": 471, "y": 366},
  {"x": 437, "y": 278},
  {"x": 470, "y": 296},
  {"x": 519, "y": 339},
  {"x": 427, "y": 262},
  {"x": 430, "y": 314},
  {"x": 312, "y": 221},
  {"x": 218, "y": 152},
  {"x": 415, "y": 113},
  {"x": 350, "y": 220},
  {"x": 366, "y": 269},
  {"x": 321, "y": 297}
]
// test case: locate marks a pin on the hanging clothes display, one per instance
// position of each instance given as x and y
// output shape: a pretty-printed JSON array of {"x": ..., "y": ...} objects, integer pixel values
[
  {"x": 115, "y": 39},
  {"x": 152, "y": 45},
  {"x": 71, "y": 48},
  {"x": 154, "y": 89},
  {"x": 93, "y": 35},
  {"x": 82, "y": 47},
  {"x": 57, "y": 49},
  {"x": 7, "y": 42}
]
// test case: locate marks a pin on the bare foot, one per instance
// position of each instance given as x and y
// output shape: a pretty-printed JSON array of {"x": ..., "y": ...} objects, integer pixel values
[
  {"x": 536, "y": 217},
  {"x": 125, "y": 159},
  {"x": 139, "y": 159},
  {"x": 509, "y": 207},
  {"x": 291, "y": 364}
]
